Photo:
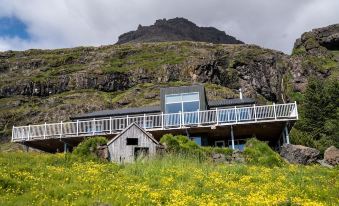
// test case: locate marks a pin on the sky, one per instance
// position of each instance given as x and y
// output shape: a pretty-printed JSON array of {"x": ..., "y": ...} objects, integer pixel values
[{"x": 49, "y": 24}]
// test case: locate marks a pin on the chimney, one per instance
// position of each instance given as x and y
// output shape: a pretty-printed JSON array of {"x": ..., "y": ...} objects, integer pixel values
[{"x": 240, "y": 93}]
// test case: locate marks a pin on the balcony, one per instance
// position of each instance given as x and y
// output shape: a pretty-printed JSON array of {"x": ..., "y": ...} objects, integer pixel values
[{"x": 151, "y": 122}]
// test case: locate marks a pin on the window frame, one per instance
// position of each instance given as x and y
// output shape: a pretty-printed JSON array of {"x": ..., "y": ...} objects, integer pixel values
[{"x": 182, "y": 101}]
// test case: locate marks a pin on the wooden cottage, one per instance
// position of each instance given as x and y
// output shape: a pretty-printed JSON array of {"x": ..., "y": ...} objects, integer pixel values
[{"x": 131, "y": 143}]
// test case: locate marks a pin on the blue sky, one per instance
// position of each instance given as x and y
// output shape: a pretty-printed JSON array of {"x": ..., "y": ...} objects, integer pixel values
[
  {"x": 48, "y": 24},
  {"x": 12, "y": 27}
]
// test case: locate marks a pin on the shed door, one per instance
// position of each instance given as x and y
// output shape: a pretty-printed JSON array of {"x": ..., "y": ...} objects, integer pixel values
[{"x": 141, "y": 152}]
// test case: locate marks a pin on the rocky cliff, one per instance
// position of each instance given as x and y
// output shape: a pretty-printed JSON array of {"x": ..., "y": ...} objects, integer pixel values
[
  {"x": 177, "y": 29},
  {"x": 51, "y": 85}
]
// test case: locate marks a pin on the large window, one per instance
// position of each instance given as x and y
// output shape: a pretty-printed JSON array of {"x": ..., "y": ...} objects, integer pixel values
[{"x": 188, "y": 102}]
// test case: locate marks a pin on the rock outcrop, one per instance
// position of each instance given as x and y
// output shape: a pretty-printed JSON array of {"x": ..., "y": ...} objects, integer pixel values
[
  {"x": 331, "y": 156},
  {"x": 177, "y": 29},
  {"x": 299, "y": 154}
]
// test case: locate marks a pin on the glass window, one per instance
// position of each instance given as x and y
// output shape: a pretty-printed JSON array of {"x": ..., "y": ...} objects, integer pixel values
[
  {"x": 173, "y": 108},
  {"x": 175, "y": 103},
  {"x": 190, "y": 97},
  {"x": 172, "y": 98},
  {"x": 191, "y": 106}
]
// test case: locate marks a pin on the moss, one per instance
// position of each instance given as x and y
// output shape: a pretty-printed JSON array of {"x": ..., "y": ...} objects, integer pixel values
[
  {"x": 299, "y": 51},
  {"x": 147, "y": 57}
]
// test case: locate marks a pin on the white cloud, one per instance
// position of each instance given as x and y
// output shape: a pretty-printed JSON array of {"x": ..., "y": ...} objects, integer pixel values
[{"x": 67, "y": 23}]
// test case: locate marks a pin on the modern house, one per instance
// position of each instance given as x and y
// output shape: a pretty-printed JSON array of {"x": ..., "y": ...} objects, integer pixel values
[{"x": 182, "y": 110}]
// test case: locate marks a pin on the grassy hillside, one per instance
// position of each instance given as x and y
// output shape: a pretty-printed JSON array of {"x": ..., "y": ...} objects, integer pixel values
[{"x": 45, "y": 179}]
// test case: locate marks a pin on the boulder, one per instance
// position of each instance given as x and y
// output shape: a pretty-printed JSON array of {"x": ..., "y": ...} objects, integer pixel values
[
  {"x": 102, "y": 152},
  {"x": 299, "y": 154},
  {"x": 331, "y": 156},
  {"x": 217, "y": 157}
]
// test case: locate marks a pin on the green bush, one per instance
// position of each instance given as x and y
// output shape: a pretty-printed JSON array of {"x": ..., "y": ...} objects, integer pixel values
[
  {"x": 87, "y": 148},
  {"x": 259, "y": 153},
  {"x": 183, "y": 146}
]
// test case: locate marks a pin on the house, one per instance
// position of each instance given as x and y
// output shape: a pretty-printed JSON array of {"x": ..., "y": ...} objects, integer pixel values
[
  {"x": 132, "y": 142},
  {"x": 182, "y": 110}
]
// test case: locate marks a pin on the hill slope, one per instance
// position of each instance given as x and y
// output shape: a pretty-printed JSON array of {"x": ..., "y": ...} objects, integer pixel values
[{"x": 51, "y": 85}]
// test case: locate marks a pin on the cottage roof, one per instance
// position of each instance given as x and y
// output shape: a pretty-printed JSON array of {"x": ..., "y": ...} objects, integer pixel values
[{"x": 127, "y": 128}]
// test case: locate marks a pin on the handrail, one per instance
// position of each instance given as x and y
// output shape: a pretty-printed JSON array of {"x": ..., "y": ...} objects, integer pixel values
[{"x": 161, "y": 121}]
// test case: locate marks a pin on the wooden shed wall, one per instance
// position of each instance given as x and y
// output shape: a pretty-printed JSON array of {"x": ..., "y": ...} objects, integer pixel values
[{"x": 121, "y": 152}]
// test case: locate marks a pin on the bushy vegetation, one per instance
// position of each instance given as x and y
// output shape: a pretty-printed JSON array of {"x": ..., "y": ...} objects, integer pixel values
[
  {"x": 46, "y": 179},
  {"x": 259, "y": 153},
  {"x": 181, "y": 145},
  {"x": 87, "y": 148},
  {"x": 319, "y": 112}
]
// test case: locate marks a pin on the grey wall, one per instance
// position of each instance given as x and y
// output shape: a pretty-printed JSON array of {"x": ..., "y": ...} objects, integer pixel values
[
  {"x": 121, "y": 152},
  {"x": 183, "y": 89}
]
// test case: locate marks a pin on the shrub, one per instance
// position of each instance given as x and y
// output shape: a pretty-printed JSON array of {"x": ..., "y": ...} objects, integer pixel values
[
  {"x": 259, "y": 153},
  {"x": 87, "y": 148},
  {"x": 183, "y": 146}
]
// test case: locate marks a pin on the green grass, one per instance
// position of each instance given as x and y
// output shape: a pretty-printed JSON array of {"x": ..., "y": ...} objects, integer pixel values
[
  {"x": 46, "y": 179},
  {"x": 149, "y": 57}
]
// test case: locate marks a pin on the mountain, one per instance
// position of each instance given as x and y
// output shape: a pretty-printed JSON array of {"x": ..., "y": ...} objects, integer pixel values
[
  {"x": 51, "y": 85},
  {"x": 177, "y": 29}
]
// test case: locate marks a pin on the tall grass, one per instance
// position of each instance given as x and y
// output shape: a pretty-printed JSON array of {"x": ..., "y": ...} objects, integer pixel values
[{"x": 46, "y": 179}]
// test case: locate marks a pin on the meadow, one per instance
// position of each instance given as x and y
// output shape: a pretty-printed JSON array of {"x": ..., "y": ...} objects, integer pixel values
[{"x": 59, "y": 179}]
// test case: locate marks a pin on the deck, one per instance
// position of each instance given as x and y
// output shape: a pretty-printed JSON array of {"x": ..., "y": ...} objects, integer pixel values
[{"x": 157, "y": 122}]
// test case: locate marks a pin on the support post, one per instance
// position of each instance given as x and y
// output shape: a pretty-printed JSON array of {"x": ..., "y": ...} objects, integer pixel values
[
  {"x": 110, "y": 125},
  {"x": 65, "y": 147},
  {"x": 181, "y": 119},
  {"x": 287, "y": 135},
  {"x": 144, "y": 121},
  {"x": 232, "y": 138},
  {"x": 275, "y": 112},
  {"x": 45, "y": 130},
  {"x": 127, "y": 121},
  {"x": 255, "y": 113}
]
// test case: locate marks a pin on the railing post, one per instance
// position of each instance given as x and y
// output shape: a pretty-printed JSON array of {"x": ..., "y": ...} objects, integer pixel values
[
  {"x": 296, "y": 109},
  {"x": 12, "y": 133},
  {"x": 217, "y": 113},
  {"x": 29, "y": 132},
  {"x": 236, "y": 114},
  {"x": 77, "y": 132},
  {"x": 181, "y": 119},
  {"x": 45, "y": 130},
  {"x": 144, "y": 121},
  {"x": 198, "y": 117},
  {"x": 255, "y": 113},
  {"x": 93, "y": 126},
  {"x": 275, "y": 112},
  {"x": 127, "y": 121},
  {"x": 162, "y": 120},
  {"x": 110, "y": 125},
  {"x": 61, "y": 129}
]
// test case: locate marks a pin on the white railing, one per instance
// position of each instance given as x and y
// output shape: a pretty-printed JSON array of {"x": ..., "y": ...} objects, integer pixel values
[{"x": 110, "y": 125}]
